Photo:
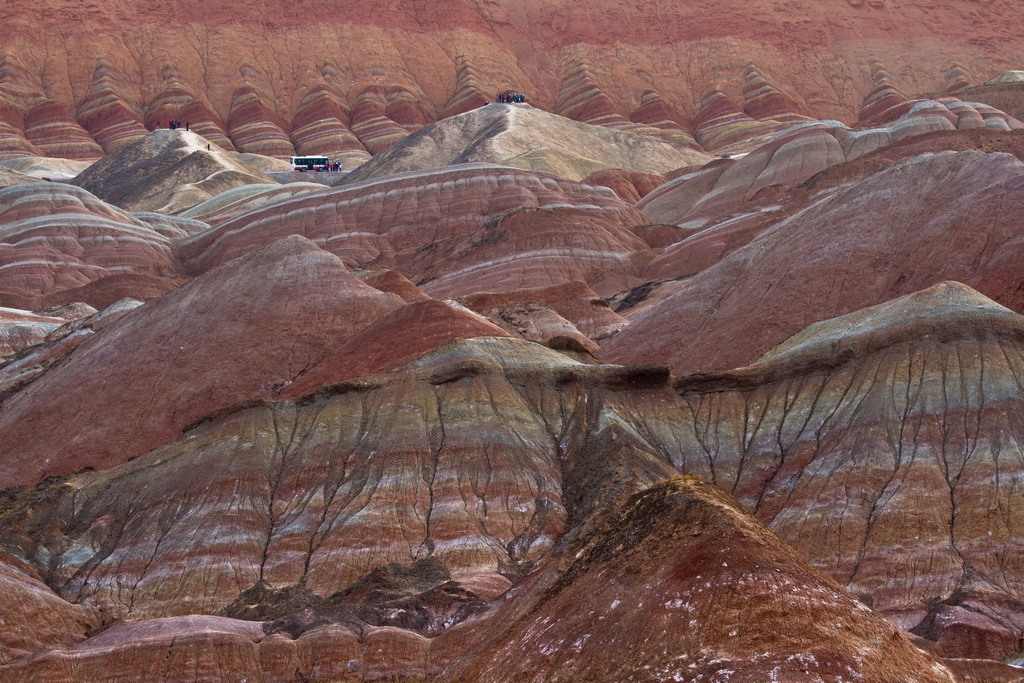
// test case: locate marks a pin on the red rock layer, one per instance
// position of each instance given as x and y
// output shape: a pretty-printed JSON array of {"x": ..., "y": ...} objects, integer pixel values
[
  {"x": 693, "y": 588},
  {"x": 580, "y": 97},
  {"x": 762, "y": 99},
  {"x": 50, "y": 127},
  {"x": 186, "y": 354},
  {"x": 786, "y": 278},
  {"x": 720, "y": 123},
  {"x": 395, "y": 283},
  {"x": 958, "y": 78},
  {"x": 370, "y": 122},
  {"x": 373, "y": 350},
  {"x": 321, "y": 126},
  {"x": 57, "y": 237},
  {"x": 407, "y": 108},
  {"x": 110, "y": 119},
  {"x": 414, "y": 222},
  {"x": 177, "y": 102},
  {"x": 255, "y": 128},
  {"x": 16, "y": 88},
  {"x": 469, "y": 91},
  {"x": 630, "y": 185},
  {"x": 34, "y": 617},
  {"x": 655, "y": 111},
  {"x": 885, "y": 101}
]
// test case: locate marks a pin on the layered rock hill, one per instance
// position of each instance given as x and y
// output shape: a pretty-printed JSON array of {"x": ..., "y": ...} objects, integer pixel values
[
  {"x": 539, "y": 390},
  {"x": 685, "y": 620},
  {"x": 519, "y": 135},
  {"x": 916, "y": 223},
  {"x": 491, "y": 456},
  {"x": 331, "y": 78},
  {"x": 168, "y": 171}
]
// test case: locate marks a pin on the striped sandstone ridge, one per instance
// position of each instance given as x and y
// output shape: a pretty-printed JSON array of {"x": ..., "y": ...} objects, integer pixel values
[
  {"x": 46, "y": 126},
  {"x": 178, "y": 102},
  {"x": 187, "y": 353},
  {"x": 490, "y": 455},
  {"x": 21, "y": 329},
  {"x": 370, "y": 121},
  {"x": 58, "y": 238},
  {"x": 167, "y": 171},
  {"x": 763, "y": 99},
  {"x": 322, "y": 126},
  {"x": 238, "y": 200},
  {"x": 761, "y": 293},
  {"x": 255, "y": 128},
  {"x": 55, "y": 133},
  {"x": 721, "y": 124},
  {"x": 660, "y": 580},
  {"x": 519, "y": 135},
  {"x": 799, "y": 152},
  {"x": 450, "y": 230},
  {"x": 470, "y": 92},
  {"x": 112, "y": 118}
]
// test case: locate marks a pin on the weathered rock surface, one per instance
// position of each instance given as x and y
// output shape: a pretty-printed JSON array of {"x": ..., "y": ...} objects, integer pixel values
[
  {"x": 185, "y": 356},
  {"x": 21, "y": 329},
  {"x": 574, "y": 302},
  {"x": 34, "y": 617},
  {"x": 917, "y": 224},
  {"x": 167, "y": 171},
  {"x": 692, "y": 587},
  {"x": 452, "y": 231},
  {"x": 519, "y": 135},
  {"x": 489, "y": 455},
  {"x": 57, "y": 238}
]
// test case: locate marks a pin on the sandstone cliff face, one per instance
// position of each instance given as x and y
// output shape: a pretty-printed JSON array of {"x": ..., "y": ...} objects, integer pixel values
[
  {"x": 482, "y": 455},
  {"x": 330, "y": 78},
  {"x": 541, "y": 389}
]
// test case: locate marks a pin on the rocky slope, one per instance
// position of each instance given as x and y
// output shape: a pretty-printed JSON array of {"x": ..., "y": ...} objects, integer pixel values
[
  {"x": 540, "y": 390},
  {"x": 330, "y": 78},
  {"x": 486, "y": 455}
]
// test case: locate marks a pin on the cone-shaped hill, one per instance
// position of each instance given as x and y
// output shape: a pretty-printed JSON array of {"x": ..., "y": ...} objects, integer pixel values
[
  {"x": 521, "y": 136},
  {"x": 167, "y": 171}
]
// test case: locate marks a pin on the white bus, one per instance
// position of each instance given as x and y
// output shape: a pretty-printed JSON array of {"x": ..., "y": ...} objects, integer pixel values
[{"x": 310, "y": 163}]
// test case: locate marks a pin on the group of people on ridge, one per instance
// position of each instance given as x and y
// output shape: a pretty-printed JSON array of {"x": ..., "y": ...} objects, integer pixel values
[
  {"x": 511, "y": 97},
  {"x": 175, "y": 125}
]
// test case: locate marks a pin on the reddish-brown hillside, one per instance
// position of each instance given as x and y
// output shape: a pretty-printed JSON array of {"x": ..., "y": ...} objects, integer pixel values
[{"x": 253, "y": 71}]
